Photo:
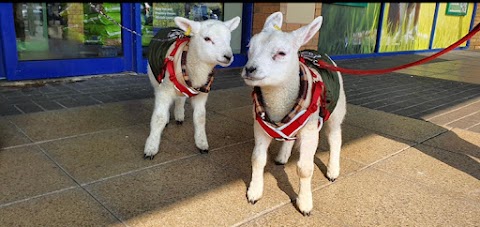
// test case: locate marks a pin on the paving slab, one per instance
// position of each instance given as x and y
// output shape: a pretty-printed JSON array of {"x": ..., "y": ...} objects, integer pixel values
[
  {"x": 10, "y": 135},
  {"x": 71, "y": 122},
  {"x": 391, "y": 124},
  {"x": 438, "y": 169},
  {"x": 73, "y": 207},
  {"x": 376, "y": 198},
  {"x": 94, "y": 157},
  {"x": 170, "y": 194},
  {"x": 27, "y": 172},
  {"x": 458, "y": 140}
]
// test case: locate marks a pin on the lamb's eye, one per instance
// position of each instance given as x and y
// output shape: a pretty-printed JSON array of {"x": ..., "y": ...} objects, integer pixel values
[
  {"x": 279, "y": 55},
  {"x": 207, "y": 39}
]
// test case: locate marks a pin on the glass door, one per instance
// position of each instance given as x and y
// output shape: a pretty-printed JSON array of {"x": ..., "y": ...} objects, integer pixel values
[
  {"x": 65, "y": 39},
  {"x": 155, "y": 16}
]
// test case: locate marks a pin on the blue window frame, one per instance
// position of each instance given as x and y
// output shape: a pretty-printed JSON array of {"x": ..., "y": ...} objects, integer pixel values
[
  {"x": 2, "y": 66},
  {"x": 131, "y": 60}
]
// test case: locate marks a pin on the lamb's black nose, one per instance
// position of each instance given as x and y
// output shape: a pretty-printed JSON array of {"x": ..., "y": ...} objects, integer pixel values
[
  {"x": 250, "y": 69},
  {"x": 227, "y": 57}
]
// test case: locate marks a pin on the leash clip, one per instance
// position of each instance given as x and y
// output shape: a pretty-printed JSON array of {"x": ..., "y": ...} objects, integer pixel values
[{"x": 311, "y": 57}]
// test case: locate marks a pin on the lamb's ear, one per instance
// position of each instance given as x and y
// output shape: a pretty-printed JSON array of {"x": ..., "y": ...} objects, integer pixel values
[
  {"x": 189, "y": 26},
  {"x": 305, "y": 33},
  {"x": 273, "y": 22},
  {"x": 232, "y": 24}
]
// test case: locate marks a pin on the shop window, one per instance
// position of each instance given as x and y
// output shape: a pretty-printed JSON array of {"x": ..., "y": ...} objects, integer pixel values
[
  {"x": 67, "y": 31},
  {"x": 407, "y": 26},
  {"x": 156, "y": 16},
  {"x": 453, "y": 22},
  {"x": 349, "y": 28}
]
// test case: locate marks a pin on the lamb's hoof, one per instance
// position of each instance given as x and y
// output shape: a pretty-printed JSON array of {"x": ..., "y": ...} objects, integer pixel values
[
  {"x": 331, "y": 179},
  {"x": 203, "y": 151},
  {"x": 148, "y": 156},
  {"x": 252, "y": 201},
  {"x": 305, "y": 214},
  {"x": 179, "y": 122},
  {"x": 279, "y": 163}
]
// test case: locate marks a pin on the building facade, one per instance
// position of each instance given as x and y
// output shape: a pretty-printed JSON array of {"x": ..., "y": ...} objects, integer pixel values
[{"x": 52, "y": 40}]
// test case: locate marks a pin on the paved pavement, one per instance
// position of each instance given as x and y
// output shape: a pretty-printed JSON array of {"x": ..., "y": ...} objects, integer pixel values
[
  {"x": 71, "y": 154},
  {"x": 444, "y": 91}
]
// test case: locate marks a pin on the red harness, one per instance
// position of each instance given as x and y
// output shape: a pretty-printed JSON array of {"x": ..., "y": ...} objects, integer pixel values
[
  {"x": 287, "y": 131},
  {"x": 169, "y": 65}
]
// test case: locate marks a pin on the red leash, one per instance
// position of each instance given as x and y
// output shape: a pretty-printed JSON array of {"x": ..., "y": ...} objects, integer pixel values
[{"x": 325, "y": 65}]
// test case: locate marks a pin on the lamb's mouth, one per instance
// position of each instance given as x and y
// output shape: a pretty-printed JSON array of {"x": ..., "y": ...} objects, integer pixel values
[
  {"x": 252, "y": 78},
  {"x": 224, "y": 63}
]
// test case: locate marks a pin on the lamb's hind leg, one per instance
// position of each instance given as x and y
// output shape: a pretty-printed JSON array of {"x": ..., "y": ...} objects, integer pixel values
[
  {"x": 179, "y": 110},
  {"x": 334, "y": 132},
  {"x": 284, "y": 153},
  {"x": 334, "y": 137},
  {"x": 159, "y": 119}
]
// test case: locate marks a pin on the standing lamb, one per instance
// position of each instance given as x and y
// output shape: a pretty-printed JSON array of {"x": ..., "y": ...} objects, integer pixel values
[
  {"x": 292, "y": 97},
  {"x": 177, "y": 73}
]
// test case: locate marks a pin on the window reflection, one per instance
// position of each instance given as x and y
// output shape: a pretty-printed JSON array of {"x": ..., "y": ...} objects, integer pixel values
[
  {"x": 66, "y": 30},
  {"x": 156, "y": 16}
]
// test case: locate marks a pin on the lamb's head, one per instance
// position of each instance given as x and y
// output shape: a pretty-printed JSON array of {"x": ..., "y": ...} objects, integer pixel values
[
  {"x": 210, "y": 39},
  {"x": 273, "y": 54}
]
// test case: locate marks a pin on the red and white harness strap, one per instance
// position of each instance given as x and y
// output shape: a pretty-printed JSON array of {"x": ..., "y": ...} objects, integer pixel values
[
  {"x": 287, "y": 131},
  {"x": 170, "y": 66}
]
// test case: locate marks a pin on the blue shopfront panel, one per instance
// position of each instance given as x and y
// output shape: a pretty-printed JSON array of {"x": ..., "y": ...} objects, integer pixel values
[
  {"x": 16, "y": 69},
  {"x": 2, "y": 60}
]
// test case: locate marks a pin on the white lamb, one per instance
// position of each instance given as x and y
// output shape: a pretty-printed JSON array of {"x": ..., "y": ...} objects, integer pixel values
[
  {"x": 273, "y": 70},
  {"x": 208, "y": 46}
]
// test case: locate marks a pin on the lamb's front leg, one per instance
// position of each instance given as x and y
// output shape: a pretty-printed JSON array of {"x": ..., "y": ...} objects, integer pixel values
[
  {"x": 199, "y": 119},
  {"x": 159, "y": 119},
  {"x": 308, "y": 146},
  {"x": 259, "y": 160}
]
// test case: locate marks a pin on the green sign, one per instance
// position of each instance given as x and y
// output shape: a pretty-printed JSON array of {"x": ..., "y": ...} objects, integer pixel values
[
  {"x": 355, "y": 4},
  {"x": 457, "y": 8},
  {"x": 163, "y": 13}
]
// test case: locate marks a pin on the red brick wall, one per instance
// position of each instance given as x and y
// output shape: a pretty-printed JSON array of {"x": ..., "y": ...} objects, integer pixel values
[
  {"x": 260, "y": 13},
  {"x": 475, "y": 41},
  {"x": 263, "y": 10}
]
